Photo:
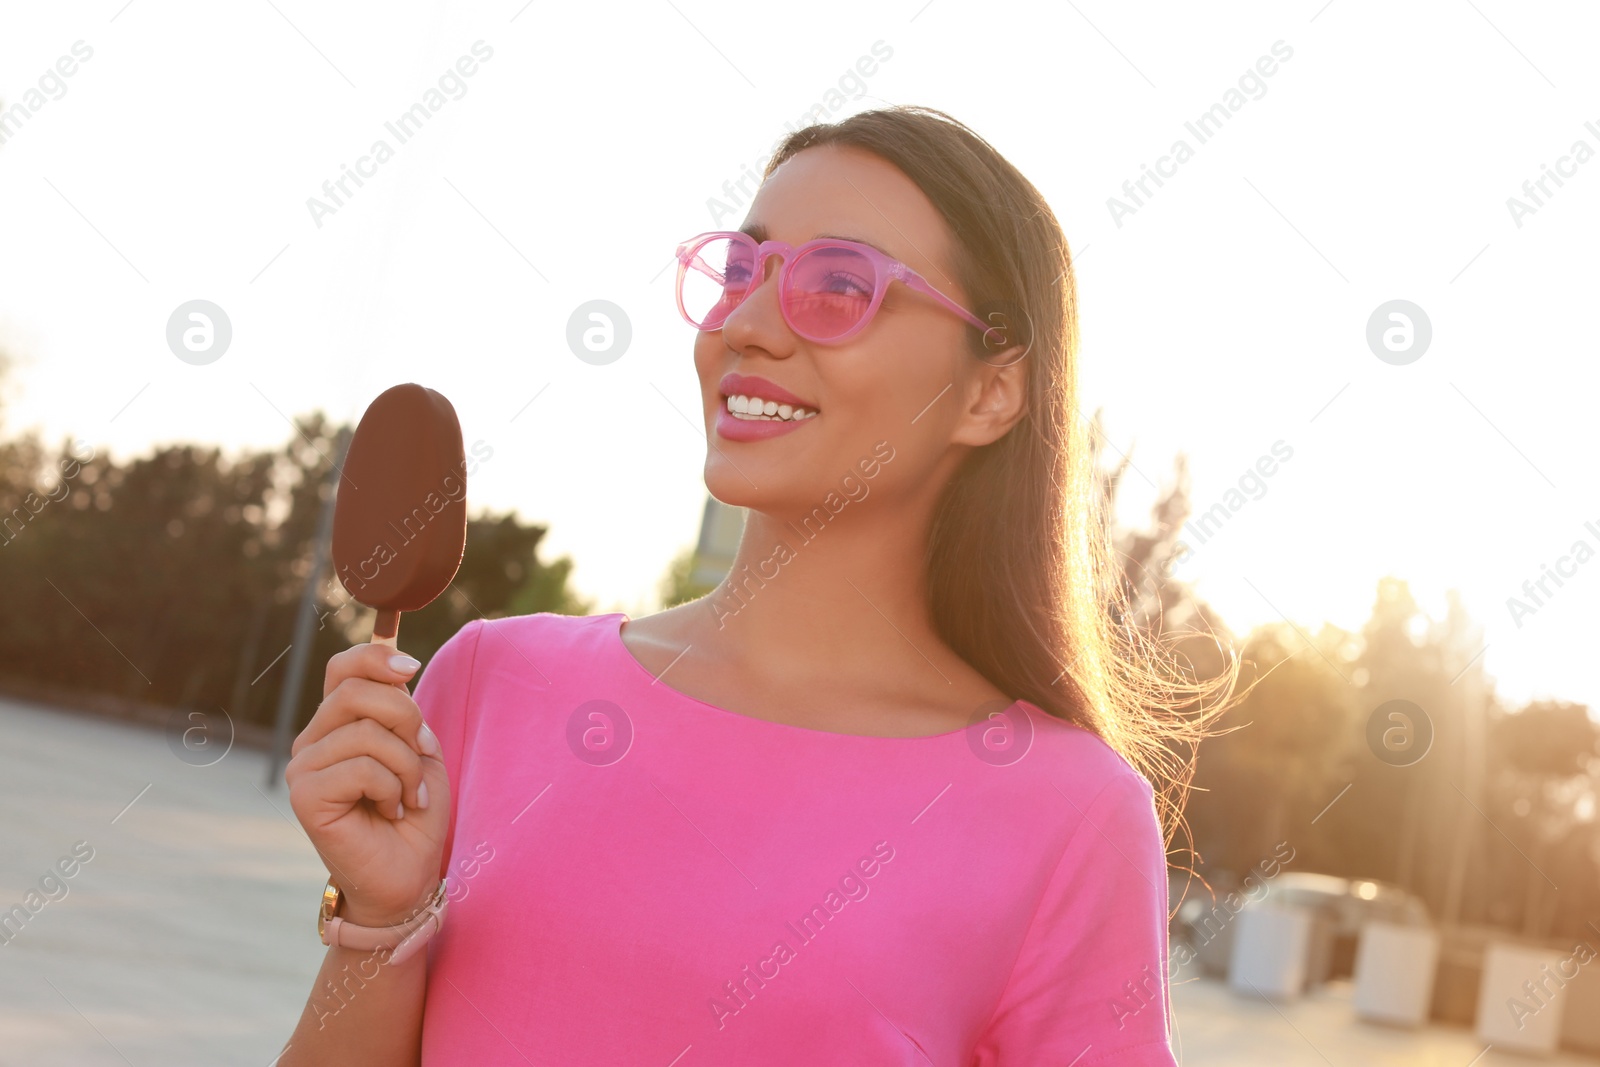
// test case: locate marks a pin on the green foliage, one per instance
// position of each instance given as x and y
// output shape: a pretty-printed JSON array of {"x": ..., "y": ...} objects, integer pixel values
[
  {"x": 1474, "y": 827},
  {"x": 678, "y": 585},
  {"x": 1550, "y": 738},
  {"x": 175, "y": 578},
  {"x": 1292, "y": 744}
]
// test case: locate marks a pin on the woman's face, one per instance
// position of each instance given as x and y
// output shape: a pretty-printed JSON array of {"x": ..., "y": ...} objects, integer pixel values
[{"x": 903, "y": 399}]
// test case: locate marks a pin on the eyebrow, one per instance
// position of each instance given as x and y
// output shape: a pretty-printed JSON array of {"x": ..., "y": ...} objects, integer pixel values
[{"x": 759, "y": 233}]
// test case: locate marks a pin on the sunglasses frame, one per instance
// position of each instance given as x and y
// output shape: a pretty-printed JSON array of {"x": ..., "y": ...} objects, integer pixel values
[{"x": 885, "y": 268}]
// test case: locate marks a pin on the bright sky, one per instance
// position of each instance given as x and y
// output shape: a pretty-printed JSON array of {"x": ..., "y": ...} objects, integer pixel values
[{"x": 1226, "y": 313}]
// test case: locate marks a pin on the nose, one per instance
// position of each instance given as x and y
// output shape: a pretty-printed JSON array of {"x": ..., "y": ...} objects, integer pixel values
[{"x": 758, "y": 320}]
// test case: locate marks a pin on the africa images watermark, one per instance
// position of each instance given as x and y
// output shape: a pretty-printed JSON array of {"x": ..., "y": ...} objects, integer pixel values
[
  {"x": 1252, "y": 486},
  {"x": 51, "y": 85},
  {"x": 467, "y": 868},
  {"x": 1523, "y": 1010},
  {"x": 52, "y": 887},
  {"x": 734, "y": 594},
  {"x": 404, "y": 127},
  {"x": 851, "y": 82},
  {"x": 1204, "y": 127},
  {"x": 354, "y": 577},
  {"x": 1566, "y": 566},
  {"x": 12, "y": 525},
  {"x": 1144, "y": 988},
  {"x": 852, "y": 886},
  {"x": 1211, "y": 927},
  {"x": 1566, "y": 167},
  {"x": 335, "y": 999}
]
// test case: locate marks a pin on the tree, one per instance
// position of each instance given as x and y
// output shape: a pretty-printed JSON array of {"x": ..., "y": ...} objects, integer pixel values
[
  {"x": 1292, "y": 744},
  {"x": 678, "y": 586},
  {"x": 1543, "y": 780},
  {"x": 175, "y": 578},
  {"x": 1157, "y": 602}
]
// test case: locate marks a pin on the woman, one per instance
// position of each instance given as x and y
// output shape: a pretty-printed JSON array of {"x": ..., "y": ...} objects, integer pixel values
[{"x": 883, "y": 797}]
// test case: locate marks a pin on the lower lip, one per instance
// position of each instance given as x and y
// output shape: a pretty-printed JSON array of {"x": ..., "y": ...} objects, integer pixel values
[{"x": 736, "y": 429}]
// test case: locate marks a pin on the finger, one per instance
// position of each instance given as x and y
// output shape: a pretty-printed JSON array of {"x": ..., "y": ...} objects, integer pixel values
[
  {"x": 366, "y": 737},
  {"x": 343, "y": 785},
  {"x": 380, "y": 663},
  {"x": 357, "y": 698}
]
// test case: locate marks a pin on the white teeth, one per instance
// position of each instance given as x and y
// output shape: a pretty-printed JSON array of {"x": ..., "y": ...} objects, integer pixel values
[{"x": 768, "y": 410}]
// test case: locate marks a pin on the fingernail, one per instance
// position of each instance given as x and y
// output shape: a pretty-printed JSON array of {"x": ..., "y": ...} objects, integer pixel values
[
  {"x": 422, "y": 794},
  {"x": 427, "y": 742},
  {"x": 399, "y": 811},
  {"x": 403, "y": 663}
]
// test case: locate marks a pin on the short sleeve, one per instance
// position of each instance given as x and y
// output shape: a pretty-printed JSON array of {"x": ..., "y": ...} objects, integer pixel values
[
  {"x": 1089, "y": 986},
  {"x": 442, "y": 694}
]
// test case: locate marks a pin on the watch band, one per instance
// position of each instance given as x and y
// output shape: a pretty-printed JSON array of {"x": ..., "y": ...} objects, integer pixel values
[{"x": 403, "y": 939}]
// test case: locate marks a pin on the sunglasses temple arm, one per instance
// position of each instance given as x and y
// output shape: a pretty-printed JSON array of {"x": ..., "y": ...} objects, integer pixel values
[{"x": 917, "y": 282}]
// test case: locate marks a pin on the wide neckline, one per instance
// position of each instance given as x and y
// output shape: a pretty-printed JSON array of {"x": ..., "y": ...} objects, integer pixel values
[{"x": 621, "y": 617}]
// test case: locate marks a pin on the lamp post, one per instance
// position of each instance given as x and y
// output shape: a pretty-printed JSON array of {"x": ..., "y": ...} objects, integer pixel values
[{"x": 300, "y": 648}]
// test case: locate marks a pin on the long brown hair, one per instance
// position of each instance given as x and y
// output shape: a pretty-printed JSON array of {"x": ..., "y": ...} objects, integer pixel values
[{"x": 1021, "y": 575}]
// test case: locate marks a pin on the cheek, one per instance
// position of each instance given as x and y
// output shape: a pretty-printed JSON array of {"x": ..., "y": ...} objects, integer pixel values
[
  {"x": 906, "y": 373},
  {"x": 893, "y": 402},
  {"x": 707, "y": 365}
]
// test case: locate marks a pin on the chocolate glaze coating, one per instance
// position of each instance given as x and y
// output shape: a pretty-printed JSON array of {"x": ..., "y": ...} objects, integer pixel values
[{"x": 400, "y": 520}]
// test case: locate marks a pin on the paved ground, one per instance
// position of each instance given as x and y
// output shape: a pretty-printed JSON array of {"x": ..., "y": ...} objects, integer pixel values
[
  {"x": 1215, "y": 1027},
  {"x": 189, "y": 937}
]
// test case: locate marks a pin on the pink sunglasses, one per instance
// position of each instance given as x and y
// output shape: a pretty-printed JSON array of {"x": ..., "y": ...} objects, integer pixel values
[{"x": 828, "y": 289}]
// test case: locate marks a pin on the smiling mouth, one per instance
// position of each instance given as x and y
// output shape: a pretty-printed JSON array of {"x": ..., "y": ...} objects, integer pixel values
[{"x": 754, "y": 409}]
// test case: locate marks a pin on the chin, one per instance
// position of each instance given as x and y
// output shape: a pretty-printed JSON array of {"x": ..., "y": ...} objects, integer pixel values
[
  {"x": 730, "y": 487},
  {"x": 777, "y": 493},
  {"x": 771, "y": 475}
]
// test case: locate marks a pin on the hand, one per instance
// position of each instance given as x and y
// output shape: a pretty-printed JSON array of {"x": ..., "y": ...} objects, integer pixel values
[{"x": 368, "y": 784}]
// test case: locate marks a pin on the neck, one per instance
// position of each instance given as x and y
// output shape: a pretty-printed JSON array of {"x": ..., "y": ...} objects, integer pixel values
[{"x": 828, "y": 591}]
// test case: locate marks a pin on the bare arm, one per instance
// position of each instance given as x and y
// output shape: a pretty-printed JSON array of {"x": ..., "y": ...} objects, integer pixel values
[
  {"x": 368, "y": 785},
  {"x": 362, "y": 1011}
]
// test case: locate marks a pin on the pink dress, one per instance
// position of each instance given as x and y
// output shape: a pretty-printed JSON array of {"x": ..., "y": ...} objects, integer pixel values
[{"x": 638, "y": 877}]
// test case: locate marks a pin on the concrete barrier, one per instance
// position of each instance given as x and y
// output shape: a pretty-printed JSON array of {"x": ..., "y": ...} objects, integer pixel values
[
  {"x": 1519, "y": 1007},
  {"x": 1394, "y": 972},
  {"x": 1271, "y": 949}
]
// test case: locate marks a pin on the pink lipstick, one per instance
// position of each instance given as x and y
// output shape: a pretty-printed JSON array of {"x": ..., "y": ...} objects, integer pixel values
[{"x": 754, "y": 409}]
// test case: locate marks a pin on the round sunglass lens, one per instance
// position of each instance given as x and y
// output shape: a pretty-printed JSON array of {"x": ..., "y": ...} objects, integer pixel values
[
  {"x": 829, "y": 292},
  {"x": 715, "y": 279}
]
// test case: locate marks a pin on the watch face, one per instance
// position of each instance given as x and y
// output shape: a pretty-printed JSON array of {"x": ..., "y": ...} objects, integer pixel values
[{"x": 331, "y": 897}]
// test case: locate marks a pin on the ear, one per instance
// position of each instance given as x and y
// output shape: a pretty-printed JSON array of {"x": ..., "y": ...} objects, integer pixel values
[{"x": 997, "y": 397}]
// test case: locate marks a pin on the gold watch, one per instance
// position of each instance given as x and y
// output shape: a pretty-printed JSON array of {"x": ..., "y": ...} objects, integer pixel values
[{"x": 333, "y": 900}]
